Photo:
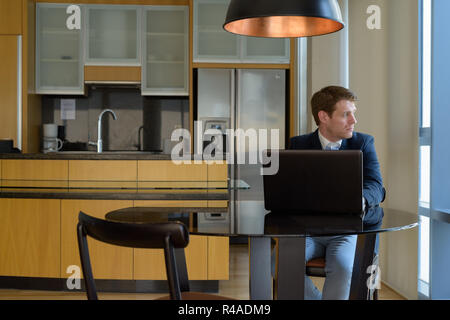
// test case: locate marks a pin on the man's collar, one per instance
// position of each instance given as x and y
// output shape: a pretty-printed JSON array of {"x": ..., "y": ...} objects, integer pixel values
[{"x": 324, "y": 141}]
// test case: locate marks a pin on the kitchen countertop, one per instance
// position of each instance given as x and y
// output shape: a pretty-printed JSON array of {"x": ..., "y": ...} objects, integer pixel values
[
  {"x": 112, "y": 190},
  {"x": 120, "y": 190},
  {"x": 88, "y": 155}
]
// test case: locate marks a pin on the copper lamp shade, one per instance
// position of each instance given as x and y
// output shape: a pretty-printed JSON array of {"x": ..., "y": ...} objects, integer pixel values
[{"x": 283, "y": 18}]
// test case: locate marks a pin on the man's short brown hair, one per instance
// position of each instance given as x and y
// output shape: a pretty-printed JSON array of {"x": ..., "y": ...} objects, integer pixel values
[{"x": 326, "y": 99}]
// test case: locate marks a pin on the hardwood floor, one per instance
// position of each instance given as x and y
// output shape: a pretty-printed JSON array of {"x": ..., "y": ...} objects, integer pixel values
[{"x": 236, "y": 287}]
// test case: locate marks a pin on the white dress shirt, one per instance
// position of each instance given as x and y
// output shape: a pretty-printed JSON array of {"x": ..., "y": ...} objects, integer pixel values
[{"x": 324, "y": 142}]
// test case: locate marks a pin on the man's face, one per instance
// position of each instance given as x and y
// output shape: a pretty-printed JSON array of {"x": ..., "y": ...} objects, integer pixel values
[{"x": 341, "y": 123}]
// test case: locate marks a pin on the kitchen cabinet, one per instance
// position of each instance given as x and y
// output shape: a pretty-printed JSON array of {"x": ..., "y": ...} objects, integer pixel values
[
  {"x": 108, "y": 261},
  {"x": 166, "y": 170},
  {"x": 165, "y": 59},
  {"x": 38, "y": 236},
  {"x": 39, "y": 170},
  {"x": 207, "y": 258},
  {"x": 30, "y": 238},
  {"x": 265, "y": 50},
  {"x": 59, "y": 52},
  {"x": 213, "y": 44},
  {"x": 113, "y": 35},
  {"x": 10, "y": 17},
  {"x": 102, "y": 170},
  {"x": 10, "y": 89}
]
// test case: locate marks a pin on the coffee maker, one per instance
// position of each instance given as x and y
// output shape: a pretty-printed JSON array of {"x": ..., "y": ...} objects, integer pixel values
[{"x": 50, "y": 140}]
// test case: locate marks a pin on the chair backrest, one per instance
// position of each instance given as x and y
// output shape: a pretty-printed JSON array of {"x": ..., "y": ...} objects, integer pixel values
[
  {"x": 173, "y": 237},
  {"x": 146, "y": 235}
]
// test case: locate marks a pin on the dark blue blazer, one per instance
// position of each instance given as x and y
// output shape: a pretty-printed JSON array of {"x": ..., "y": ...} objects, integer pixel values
[{"x": 373, "y": 190}]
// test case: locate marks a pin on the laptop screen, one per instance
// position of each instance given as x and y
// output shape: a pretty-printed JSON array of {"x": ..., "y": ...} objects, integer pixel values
[{"x": 316, "y": 181}]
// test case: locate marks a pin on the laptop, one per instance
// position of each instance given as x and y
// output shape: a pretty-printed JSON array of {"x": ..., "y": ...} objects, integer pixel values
[{"x": 316, "y": 181}]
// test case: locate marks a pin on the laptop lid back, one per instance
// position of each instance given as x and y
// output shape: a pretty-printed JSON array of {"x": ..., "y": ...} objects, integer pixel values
[{"x": 316, "y": 181}]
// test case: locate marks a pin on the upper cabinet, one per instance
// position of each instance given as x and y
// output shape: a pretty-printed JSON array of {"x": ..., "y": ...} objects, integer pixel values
[
  {"x": 213, "y": 44},
  {"x": 59, "y": 52},
  {"x": 165, "y": 60},
  {"x": 113, "y": 35},
  {"x": 10, "y": 17},
  {"x": 149, "y": 44}
]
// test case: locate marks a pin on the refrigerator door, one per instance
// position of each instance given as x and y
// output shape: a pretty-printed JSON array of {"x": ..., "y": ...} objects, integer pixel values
[
  {"x": 260, "y": 105},
  {"x": 215, "y": 102},
  {"x": 214, "y": 93}
]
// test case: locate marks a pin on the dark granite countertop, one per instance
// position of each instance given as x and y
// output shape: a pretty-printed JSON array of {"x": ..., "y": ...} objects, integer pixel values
[
  {"x": 105, "y": 195},
  {"x": 120, "y": 190},
  {"x": 88, "y": 155}
]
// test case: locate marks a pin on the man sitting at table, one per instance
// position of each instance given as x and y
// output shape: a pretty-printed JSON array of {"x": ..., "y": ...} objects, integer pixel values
[{"x": 334, "y": 110}]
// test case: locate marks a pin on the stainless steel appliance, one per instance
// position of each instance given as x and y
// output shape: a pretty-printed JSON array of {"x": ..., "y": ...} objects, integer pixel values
[{"x": 250, "y": 100}]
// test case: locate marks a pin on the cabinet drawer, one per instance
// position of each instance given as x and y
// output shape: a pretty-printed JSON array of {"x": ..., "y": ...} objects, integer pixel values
[
  {"x": 35, "y": 169},
  {"x": 95, "y": 170},
  {"x": 166, "y": 170}
]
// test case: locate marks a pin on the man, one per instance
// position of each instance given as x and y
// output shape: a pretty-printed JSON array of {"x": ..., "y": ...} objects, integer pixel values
[{"x": 334, "y": 111}]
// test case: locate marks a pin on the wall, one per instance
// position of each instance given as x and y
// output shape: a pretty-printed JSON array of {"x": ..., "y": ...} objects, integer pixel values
[
  {"x": 328, "y": 60},
  {"x": 383, "y": 72},
  {"x": 158, "y": 115}
]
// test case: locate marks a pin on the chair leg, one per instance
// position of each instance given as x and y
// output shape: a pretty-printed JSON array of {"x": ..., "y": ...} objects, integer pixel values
[
  {"x": 171, "y": 270},
  {"x": 180, "y": 261},
  {"x": 86, "y": 264}
]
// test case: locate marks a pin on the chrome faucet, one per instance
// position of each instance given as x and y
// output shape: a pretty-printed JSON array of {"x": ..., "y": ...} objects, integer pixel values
[{"x": 99, "y": 143}]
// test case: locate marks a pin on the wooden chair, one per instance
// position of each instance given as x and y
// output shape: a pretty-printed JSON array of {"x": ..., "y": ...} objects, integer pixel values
[
  {"x": 173, "y": 237},
  {"x": 316, "y": 268}
]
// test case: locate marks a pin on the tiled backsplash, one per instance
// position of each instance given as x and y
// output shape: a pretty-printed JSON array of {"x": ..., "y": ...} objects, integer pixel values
[{"x": 158, "y": 116}]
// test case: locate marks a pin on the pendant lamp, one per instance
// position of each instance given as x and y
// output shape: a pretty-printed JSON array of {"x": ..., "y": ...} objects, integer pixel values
[{"x": 283, "y": 18}]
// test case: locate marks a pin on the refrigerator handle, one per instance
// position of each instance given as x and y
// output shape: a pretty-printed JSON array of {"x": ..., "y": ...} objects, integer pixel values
[
  {"x": 236, "y": 115},
  {"x": 233, "y": 89},
  {"x": 233, "y": 167}
]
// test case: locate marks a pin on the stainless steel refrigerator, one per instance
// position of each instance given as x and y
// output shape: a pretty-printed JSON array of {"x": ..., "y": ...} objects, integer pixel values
[{"x": 244, "y": 99}]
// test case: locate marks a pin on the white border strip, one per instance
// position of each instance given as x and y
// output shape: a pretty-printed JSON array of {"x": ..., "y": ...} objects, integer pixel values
[{"x": 19, "y": 92}]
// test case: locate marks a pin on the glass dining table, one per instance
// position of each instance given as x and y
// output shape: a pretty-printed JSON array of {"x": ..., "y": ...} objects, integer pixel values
[{"x": 290, "y": 230}]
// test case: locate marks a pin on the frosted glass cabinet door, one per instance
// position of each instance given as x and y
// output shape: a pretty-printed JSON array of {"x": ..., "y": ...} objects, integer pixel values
[
  {"x": 113, "y": 35},
  {"x": 59, "y": 52},
  {"x": 166, "y": 44},
  {"x": 211, "y": 42},
  {"x": 273, "y": 50}
]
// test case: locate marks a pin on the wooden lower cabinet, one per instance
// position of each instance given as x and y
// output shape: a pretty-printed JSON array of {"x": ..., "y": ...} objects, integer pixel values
[
  {"x": 38, "y": 239},
  {"x": 207, "y": 258},
  {"x": 108, "y": 261},
  {"x": 218, "y": 258},
  {"x": 149, "y": 263},
  {"x": 30, "y": 238}
]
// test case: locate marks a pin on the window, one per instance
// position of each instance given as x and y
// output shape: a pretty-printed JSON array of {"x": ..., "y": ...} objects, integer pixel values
[
  {"x": 434, "y": 205},
  {"x": 425, "y": 149}
]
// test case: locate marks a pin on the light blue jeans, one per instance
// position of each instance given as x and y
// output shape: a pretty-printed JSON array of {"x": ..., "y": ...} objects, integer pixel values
[{"x": 339, "y": 253}]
